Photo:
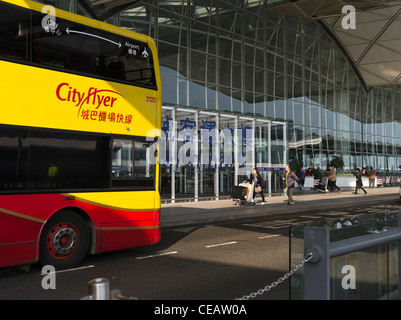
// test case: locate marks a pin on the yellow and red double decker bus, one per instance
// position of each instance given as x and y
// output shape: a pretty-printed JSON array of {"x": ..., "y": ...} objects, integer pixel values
[{"x": 78, "y": 170}]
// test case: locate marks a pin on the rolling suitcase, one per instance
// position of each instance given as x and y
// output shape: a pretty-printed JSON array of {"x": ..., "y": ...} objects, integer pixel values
[{"x": 250, "y": 187}]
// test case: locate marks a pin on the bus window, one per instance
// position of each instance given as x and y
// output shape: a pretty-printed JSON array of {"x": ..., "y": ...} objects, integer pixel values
[
  {"x": 131, "y": 165},
  {"x": 13, "y": 159},
  {"x": 81, "y": 160},
  {"x": 133, "y": 63},
  {"x": 70, "y": 50},
  {"x": 38, "y": 160},
  {"x": 87, "y": 50},
  {"x": 144, "y": 171},
  {"x": 14, "y": 23},
  {"x": 122, "y": 162}
]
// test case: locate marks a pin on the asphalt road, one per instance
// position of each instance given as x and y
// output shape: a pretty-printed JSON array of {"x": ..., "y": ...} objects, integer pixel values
[{"x": 213, "y": 261}]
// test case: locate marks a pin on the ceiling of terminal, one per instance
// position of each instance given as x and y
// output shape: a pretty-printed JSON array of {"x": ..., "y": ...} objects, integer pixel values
[
  {"x": 109, "y": 4},
  {"x": 374, "y": 45},
  {"x": 103, "y": 9}
]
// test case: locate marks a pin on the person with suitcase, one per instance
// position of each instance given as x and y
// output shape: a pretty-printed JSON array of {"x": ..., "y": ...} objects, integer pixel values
[{"x": 259, "y": 184}]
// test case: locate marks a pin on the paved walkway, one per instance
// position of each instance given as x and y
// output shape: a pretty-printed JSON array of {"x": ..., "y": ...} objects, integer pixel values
[{"x": 189, "y": 213}]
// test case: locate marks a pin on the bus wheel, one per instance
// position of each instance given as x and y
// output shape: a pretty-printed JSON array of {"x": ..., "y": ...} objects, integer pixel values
[{"x": 64, "y": 241}]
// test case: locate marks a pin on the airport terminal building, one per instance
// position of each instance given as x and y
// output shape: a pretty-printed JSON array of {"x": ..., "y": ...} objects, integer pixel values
[{"x": 269, "y": 82}]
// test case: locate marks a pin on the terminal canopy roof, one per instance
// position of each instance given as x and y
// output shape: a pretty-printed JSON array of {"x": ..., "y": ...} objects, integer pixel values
[{"x": 374, "y": 45}]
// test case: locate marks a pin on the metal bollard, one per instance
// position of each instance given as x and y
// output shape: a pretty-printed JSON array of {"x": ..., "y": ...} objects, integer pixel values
[{"x": 99, "y": 289}]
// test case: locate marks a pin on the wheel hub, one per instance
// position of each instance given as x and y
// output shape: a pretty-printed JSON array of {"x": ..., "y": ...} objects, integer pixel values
[{"x": 62, "y": 240}]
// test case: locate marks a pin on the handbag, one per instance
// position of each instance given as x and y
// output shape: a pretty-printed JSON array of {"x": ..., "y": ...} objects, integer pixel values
[{"x": 258, "y": 189}]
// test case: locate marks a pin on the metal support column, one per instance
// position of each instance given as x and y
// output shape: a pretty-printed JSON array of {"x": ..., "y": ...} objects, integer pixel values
[
  {"x": 173, "y": 153},
  {"x": 216, "y": 174},
  {"x": 269, "y": 156},
  {"x": 236, "y": 158},
  {"x": 196, "y": 158},
  {"x": 285, "y": 151},
  {"x": 399, "y": 258},
  {"x": 317, "y": 271},
  {"x": 253, "y": 144}
]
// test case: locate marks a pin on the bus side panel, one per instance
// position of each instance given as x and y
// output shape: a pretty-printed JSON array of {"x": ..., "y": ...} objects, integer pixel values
[
  {"x": 121, "y": 228},
  {"x": 31, "y": 207},
  {"x": 121, "y": 219},
  {"x": 18, "y": 253},
  {"x": 157, "y": 231},
  {"x": 22, "y": 218},
  {"x": 18, "y": 239},
  {"x": 118, "y": 228},
  {"x": 129, "y": 234}
]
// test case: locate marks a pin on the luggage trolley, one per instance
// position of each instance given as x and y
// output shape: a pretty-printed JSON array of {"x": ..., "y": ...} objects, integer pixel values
[
  {"x": 243, "y": 194},
  {"x": 322, "y": 186}
]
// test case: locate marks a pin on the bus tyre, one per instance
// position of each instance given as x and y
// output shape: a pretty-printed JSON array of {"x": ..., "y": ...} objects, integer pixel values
[{"x": 64, "y": 241}]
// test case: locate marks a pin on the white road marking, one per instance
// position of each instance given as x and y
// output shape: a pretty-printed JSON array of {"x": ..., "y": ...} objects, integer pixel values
[
  {"x": 69, "y": 270},
  {"x": 221, "y": 244},
  {"x": 270, "y": 236},
  {"x": 157, "y": 255},
  {"x": 311, "y": 217},
  {"x": 275, "y": 224}
]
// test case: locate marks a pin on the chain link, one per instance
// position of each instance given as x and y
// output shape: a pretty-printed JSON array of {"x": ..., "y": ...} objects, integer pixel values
[{"x": 274, "y": 284}]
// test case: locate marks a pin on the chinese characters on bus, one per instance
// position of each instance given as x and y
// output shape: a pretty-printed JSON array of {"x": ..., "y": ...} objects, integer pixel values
[{"x": 105, "y": 116}]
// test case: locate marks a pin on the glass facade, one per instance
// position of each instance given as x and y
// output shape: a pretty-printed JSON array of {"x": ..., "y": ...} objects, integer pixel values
[{"x": 230, "y": 64}]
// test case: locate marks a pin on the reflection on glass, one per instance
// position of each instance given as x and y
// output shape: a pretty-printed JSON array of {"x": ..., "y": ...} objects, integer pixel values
[
  {"x": 376, "y": 269},
  {"x": 122, "y": 162}
]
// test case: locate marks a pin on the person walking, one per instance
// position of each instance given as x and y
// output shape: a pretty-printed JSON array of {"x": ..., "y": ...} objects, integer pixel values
[
  {"x": 332, "y": 178},
  {"x": 258, "y": 182},
  {"x": 359, "y": 184},
  {"x": 301, "y": 177},
  {"x": 289, "y": 181},
  {"x": 372, "y": 178}
]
